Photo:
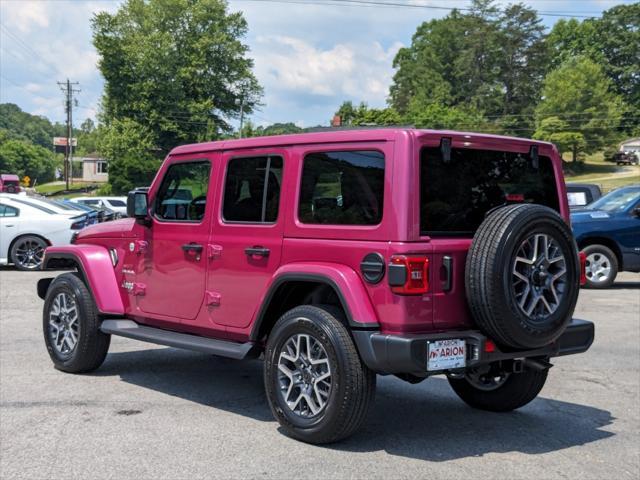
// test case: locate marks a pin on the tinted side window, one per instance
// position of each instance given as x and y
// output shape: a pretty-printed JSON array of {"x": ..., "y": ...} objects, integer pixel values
[
  {"x": 182, "y": 195},
  {"x": 117, "y": 203},
  {"x": 342, "y": 188},
  {"x": 252, "y": 189}
]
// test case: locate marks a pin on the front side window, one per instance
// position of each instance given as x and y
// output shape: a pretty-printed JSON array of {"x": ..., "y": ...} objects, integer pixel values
[
  {"x": 182, "y": 195},
  {"x": 456, "y": 195},
  {"x": 117, "y": 203},
  {"x": 252, "y": 189},
  {"x": 342, "y": 188}
]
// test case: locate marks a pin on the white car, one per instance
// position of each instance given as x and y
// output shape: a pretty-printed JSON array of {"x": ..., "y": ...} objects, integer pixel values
[
  {"x": 27, "y": 229},
  {"x": 117, "y": 204}
]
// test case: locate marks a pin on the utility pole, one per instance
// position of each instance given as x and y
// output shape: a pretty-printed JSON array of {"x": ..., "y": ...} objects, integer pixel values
[
  {"x": 68, "y": 91},
  {"x": 241, "y": 113}
]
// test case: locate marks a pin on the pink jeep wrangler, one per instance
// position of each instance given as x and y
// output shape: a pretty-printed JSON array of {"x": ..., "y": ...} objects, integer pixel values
[{"x": 337, "y": 256}]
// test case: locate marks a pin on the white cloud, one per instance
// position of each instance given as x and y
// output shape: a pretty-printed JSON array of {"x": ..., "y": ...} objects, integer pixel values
[
  {"x": 26, "y": 15},
  {"x": 288, "y": 65}
]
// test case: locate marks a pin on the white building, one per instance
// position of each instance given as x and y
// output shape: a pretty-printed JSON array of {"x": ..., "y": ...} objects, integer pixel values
[
  {"x": 94, "y": 169},
  {"x": 631, "y": 145}
]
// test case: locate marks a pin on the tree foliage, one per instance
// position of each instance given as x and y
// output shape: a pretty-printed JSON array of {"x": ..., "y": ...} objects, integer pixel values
[
  {"x": 579, "y": 109},
  {"x": 26, "y": 159},
  {"x": 178, "y": 67},
  {"x": 132, "y": 153}
]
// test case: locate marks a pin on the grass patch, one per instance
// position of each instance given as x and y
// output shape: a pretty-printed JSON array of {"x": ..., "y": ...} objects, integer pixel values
[{"x": 54, "y": 187}]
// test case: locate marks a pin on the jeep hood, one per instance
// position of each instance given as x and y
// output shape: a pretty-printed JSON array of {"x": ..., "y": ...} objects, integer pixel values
[{"x": 123, "y": 228}]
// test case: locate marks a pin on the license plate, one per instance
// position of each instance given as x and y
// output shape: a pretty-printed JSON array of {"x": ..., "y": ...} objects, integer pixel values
[{"x": 446, "y": 354}]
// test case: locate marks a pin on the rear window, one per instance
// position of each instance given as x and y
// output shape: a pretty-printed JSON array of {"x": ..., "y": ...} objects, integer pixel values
[{"x": 455, "y": 196}]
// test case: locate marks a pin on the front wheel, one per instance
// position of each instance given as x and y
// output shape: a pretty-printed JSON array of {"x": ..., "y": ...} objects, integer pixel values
[
  {"x": 488, "y": 388},
  {"x": 71, "y": 326},
  {"x": 317, "y": 386},
  {"x": 27, "y": 252}
]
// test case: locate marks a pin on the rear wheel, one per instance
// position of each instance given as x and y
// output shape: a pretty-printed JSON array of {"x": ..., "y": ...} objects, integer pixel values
[
  {"x": 601, "y": 267},
  {"x": 488, "y": 388},
  {"x": 71, "y": 326},
  {"x": 27, "y": 252},
  {"x": 317, "y": 386}
]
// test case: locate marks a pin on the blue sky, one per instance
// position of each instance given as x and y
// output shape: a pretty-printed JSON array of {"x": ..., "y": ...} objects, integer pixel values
[{"x": 309, "y": 58}]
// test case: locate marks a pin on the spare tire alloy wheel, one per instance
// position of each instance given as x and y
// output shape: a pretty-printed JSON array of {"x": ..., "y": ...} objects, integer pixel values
[
  {"x": 304, "y": 374},
  {"x": 64, "y": 325},
  {"x": 522, "y": 276},
  {"x": 539, "y": 276},
  {"x": 27, "y": 253}
]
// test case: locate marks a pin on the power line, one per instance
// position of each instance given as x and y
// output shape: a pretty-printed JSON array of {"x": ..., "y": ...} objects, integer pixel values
[
  {"x": 27, "y": 49},
  {"x": 396, "y": 4}
]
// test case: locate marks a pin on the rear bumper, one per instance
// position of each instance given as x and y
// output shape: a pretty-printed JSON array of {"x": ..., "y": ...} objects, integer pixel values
[{"x": 408, "y": 353}]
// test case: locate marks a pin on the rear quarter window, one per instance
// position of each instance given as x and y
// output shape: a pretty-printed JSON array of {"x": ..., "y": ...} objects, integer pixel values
[
  {"x": 455, "y": 196},
  {"x": 342, "y": 188}
]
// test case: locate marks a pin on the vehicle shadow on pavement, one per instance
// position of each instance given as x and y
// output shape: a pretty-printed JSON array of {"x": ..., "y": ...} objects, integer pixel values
[
  {"x": 230, "y": 385},
  {"x": 624, "y": 285},
  {"x": 425, "y": 421},
  {"x": 429, "y": 422}
]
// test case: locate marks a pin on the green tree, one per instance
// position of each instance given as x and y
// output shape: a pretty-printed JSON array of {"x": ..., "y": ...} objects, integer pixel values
[
  {"x": 613, "y": 41},
  {"x": 178, "y": 67},
  {"x": 132, "y": 153},
  {"x": 25, "y": 159},
  {"x": 558, "y": 132},
  {"x": 363, "y": 115},
  {"x": 577, "y": 99},
  {"x": 522, "y": 65}
]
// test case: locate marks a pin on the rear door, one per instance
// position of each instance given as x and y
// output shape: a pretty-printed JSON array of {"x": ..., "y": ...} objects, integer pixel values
[
  {"x": 456, "y": 193},
  {"x": 247, "y": 234}
]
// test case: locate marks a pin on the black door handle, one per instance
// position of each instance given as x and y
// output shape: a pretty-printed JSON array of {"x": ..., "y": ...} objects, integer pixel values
[
  {"x": 257, "y": 251},
  {"x": 192, "y": 247}
]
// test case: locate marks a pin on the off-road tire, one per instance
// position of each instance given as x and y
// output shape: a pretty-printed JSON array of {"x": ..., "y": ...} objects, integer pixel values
[
  {"x": 611, "y": 258},
  {"x": 489, "y": 285},
  {"x": 92, "y": 345},
  {"x": 353, "y": 384},
  {"x": 517, "y": 390}
]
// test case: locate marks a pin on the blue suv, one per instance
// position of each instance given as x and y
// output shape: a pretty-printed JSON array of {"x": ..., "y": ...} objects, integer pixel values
[{"x": 608, "y": 232}]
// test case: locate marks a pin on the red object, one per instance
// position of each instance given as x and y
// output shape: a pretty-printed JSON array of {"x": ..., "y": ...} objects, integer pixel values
[
  {"x": 489, "y": 346},
  {"x": 583, "y": 268},
  {"x": 416, "y": 273},
  {"x": 515, "y": 197}
]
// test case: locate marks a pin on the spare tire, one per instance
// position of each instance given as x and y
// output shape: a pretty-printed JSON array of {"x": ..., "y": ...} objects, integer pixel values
[{"x": 522, "y": 276}]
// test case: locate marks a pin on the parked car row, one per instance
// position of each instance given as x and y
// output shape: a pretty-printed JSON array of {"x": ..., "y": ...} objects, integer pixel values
[{"x": 29, "y": 224}]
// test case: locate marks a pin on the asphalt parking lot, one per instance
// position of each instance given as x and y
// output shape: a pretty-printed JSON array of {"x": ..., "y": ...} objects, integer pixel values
[{"x": 156, "y": 412}]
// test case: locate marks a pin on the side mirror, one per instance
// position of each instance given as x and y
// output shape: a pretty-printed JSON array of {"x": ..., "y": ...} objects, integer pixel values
[{"x": 137, "y": 206}]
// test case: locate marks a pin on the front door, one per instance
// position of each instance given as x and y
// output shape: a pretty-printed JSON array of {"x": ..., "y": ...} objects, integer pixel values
[
  {"x": 247, "y": 233},
  {"x": 175, "y": 263}
]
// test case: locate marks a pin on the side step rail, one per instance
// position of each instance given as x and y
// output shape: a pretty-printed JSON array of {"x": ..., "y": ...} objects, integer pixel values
[{"x": 131, "y": 329}]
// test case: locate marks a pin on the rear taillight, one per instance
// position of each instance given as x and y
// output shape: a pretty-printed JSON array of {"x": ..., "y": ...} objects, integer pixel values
[
  {"x": 408, "y": 274},
  {"x": 583, "y": 268},
  {"x": 78, "y": 225}
]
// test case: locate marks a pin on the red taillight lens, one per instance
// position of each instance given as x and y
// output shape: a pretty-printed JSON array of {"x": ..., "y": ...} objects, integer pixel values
[
  {"x": 408, "y": 274},
  {"x": 583, "y": 268}
]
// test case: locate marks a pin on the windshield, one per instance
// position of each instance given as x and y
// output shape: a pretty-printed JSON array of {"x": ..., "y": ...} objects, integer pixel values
[{"x": 616, "y": 201}]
